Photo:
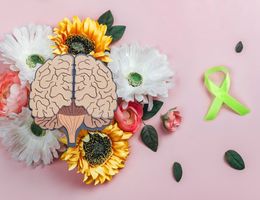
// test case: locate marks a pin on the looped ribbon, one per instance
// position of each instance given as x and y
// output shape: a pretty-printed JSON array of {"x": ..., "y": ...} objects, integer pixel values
[{"x": 221, "y": 94}]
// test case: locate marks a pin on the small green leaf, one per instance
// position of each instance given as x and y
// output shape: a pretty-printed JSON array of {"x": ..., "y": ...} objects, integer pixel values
[
  {"x": 116, "y": 32},
  {"x": 107, "y": 19},
  {"x": 239, "y": 47},
  {"x": 177, "y": 171},
  {"x": 156, "y": 107},
  {"x": 37, "y": 130},
  {"x": 234, "y": 160},
  {"x": 150, "y": 137}
]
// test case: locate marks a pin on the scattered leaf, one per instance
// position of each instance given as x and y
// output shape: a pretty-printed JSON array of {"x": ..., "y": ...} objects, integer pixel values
[
  {"x": 234, "y": 160},
  {"x": 150, "y": 137},
  {"x": 156, "y": 107},
  {"x": 107, "y": 19},
  {"x": 116, "y": 32},
  {"x": 239, "y": 47},
  {"x": 177, "y": 171}
]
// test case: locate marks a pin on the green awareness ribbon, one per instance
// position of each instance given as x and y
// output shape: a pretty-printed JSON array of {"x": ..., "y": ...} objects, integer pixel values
[{"x": 221, "y": 94}]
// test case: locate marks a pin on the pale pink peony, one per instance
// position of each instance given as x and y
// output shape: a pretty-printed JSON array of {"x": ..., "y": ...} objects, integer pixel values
[
  {"x": 13, "y": 96},
  {"x": 171, "y": 120},
  {"x": 129, "y": 118}
]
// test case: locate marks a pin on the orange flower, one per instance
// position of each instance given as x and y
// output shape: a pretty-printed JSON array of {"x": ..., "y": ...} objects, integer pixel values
[{"x": 13, "y": 96}]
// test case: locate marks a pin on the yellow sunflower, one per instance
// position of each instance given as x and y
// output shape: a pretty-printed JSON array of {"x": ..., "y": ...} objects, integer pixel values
[
  {"x": 87, "y": 37},
  {"x": 98, "y": 155}
]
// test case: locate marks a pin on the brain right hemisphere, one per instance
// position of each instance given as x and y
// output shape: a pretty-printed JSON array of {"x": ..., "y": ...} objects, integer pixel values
[{"x": 94, "y": 88}]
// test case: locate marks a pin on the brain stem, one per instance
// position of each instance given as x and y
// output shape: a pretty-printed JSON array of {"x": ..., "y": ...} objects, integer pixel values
[{"x": 71, "y": 117}]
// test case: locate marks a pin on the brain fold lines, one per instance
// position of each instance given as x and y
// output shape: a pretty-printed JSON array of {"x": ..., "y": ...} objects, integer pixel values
[{"x": 69, "y": 91}]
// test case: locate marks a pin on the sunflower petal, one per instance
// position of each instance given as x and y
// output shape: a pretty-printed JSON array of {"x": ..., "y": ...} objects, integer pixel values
[
  {"x": 88, "y": 28},
  {"x": 75, "y": 157}
]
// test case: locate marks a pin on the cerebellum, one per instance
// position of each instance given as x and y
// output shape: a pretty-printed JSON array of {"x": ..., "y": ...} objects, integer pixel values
[{"x": 70, "y": 91}]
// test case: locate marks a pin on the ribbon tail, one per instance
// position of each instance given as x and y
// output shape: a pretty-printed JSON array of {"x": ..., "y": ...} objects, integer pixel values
[
  {"x": 214, "y": 109},
  {"x": 236, "y": 105}
]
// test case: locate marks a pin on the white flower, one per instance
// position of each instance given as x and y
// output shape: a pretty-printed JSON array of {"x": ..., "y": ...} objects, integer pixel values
[
  {"x": 32, "y": 145},
  {"x": 7, "y": 122},
  {"x": 141, "y": 73},
  {"x": 26, "y": 49}
]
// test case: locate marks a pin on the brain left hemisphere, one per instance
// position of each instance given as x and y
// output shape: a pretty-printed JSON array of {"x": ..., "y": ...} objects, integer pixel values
[{"x": 52, "y": 87}]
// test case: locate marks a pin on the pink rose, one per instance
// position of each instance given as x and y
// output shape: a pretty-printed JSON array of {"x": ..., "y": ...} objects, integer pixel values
[
  {"x": 171, "y": 120},
  {"x": 130, "y": 118},
  {"x": 13, "y": 96}
]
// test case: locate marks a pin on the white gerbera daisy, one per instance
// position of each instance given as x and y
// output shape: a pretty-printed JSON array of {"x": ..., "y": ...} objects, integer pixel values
[
  {"x": 7, "y": 122},
  {"x": 26, "y": 49},
  {"x": 28, "y": 142},
  {"x": 141, "y": 73}
]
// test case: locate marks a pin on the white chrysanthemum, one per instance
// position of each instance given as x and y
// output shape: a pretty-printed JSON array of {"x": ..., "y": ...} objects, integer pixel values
[
  {"x": 141, "y": 73},
  {"x": 26, "y": 49},
  {"x": 7, "y": 122},
  {"x": 29, "y": 144}
]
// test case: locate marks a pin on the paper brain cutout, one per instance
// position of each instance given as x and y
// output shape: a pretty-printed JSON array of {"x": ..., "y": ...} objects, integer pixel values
[{"x": 73, "y": 92}]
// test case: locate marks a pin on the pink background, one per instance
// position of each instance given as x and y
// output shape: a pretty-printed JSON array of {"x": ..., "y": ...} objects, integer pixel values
[{"x": 195, "y": 35}]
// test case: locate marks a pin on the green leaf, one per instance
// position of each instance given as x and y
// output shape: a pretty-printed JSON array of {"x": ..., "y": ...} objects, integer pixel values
[
  {"x": 37, "y": 130},
  {"x": 116, "y": 32},
  {"x": 234, "y": 160},
  {"x": 107, "y": 19},
  {"x": 156, "y": 107},
  {"x": 150, "y": 137},
  {"x": 239, "y": 47},
  {"x": 177, "y": 171}
]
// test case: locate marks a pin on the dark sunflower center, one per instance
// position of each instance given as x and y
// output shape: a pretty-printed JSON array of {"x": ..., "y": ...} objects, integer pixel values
[
  {"x": 79, "y": 44},
  {"x": 37, "y": 130},
  {"x": 97, "y": 147},
  {"x": 34, "y": 59}
]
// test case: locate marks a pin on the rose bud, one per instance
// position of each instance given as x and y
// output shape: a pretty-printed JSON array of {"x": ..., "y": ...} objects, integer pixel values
[{"x": 171, "y": 120}]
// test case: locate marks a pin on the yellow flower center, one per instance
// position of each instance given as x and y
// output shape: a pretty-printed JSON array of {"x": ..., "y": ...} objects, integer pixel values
[
  {"x": 97, "y": 148},
  {"x": 78, "y": 44}
]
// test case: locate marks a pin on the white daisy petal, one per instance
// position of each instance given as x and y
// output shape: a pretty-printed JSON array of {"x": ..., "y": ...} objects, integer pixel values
[
  {"x": 150, "y": 103},
  {"x": 140, "y": 72},
  {"x": 24, "y": 42},
  {"x": 24, "y": 145}
]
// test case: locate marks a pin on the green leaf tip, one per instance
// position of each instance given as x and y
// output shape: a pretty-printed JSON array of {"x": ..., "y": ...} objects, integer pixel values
[
  {"x": 177, "y": 171},
  {"x": 234, "y": 160},
  {"x": 156, "y": 107},
  {"x": 149, "y": 137},
  {"x": 116, "y": 32},
  {"x": 107, "y": 19}
]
